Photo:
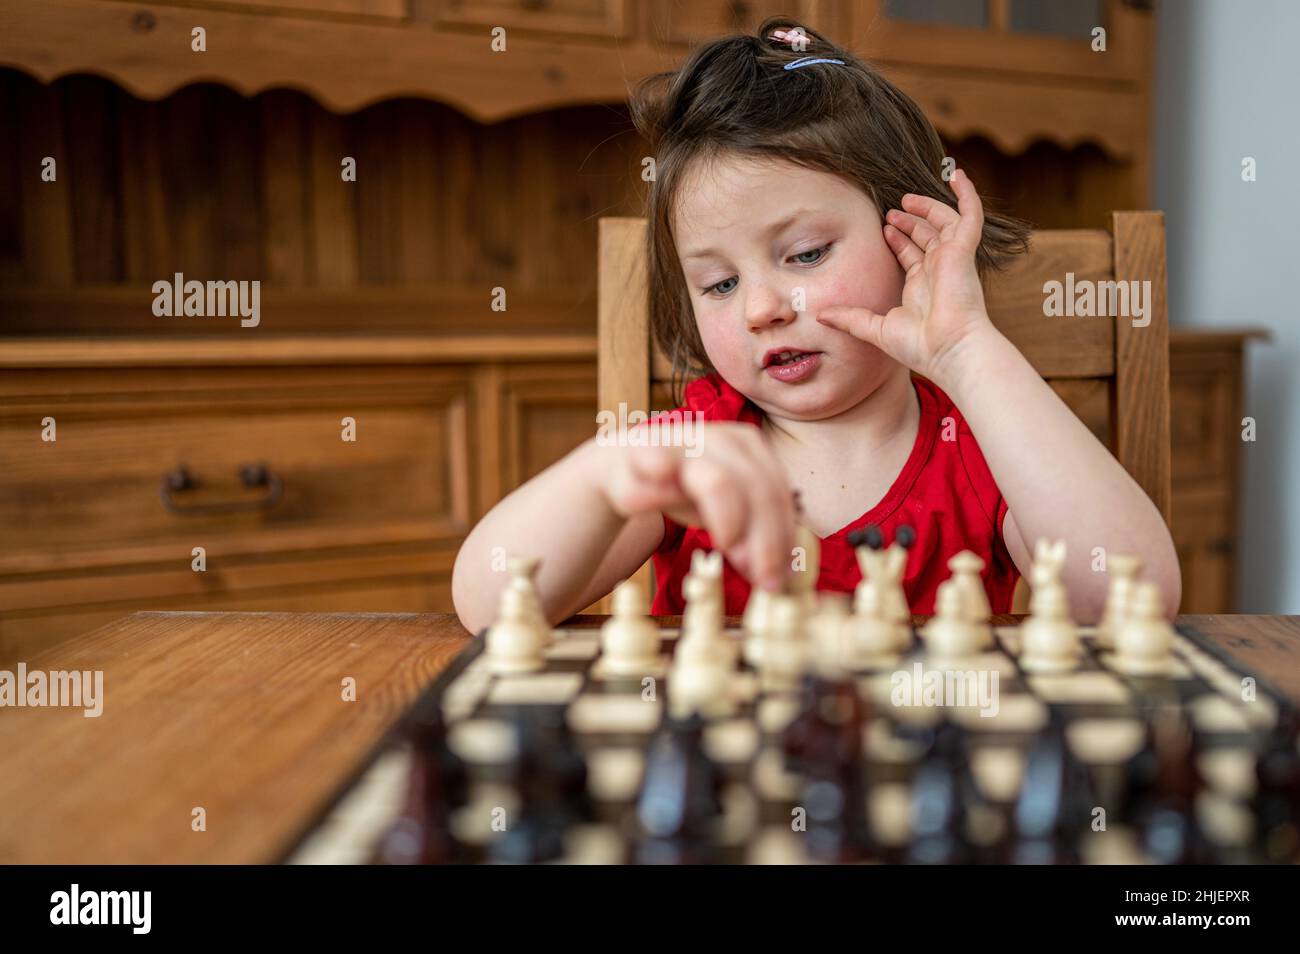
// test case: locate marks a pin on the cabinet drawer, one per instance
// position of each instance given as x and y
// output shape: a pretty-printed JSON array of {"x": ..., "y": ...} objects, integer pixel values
[{"x": 162, "y": 464}]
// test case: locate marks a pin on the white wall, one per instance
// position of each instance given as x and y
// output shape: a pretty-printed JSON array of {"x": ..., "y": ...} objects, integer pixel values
[{"x": 1228, "y": 86}]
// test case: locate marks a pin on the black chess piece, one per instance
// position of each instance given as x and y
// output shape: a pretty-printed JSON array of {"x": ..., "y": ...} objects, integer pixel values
[
  {"x": 560, "y": 757},
  {"x": 823, "y": 743},
  {"x": 905, "y": 536},
  {"x": 1276, "y": 802},
  {"x": 1161, "y": 785},
  {"x": 1056, "y": 800},
  {"x": 436, "y": 786},
  {"x": 943, "y": 793},
  {"x": 867, "y": 537},
  {"x": 680, "y": 805},
  {"x": 546, "y": 773}
]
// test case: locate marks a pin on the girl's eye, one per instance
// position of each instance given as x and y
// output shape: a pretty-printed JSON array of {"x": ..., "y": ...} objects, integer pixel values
[
  {"x": 817, "y": 252},
  {"x": 719, "y": 286}
]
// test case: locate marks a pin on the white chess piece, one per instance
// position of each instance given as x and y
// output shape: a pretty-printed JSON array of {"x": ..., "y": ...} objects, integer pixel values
[
  {"x": 1144, "y": 640},
  {"x": 785, "y": 651},
  {"x": 951, "y": 634},
  {"x": 523, "y": 579},
  {"x": 515, "y": 643},
  {"x": 873, "y": 638},
  {"x": 702, "y": 621},
  {"x": 629, "y": 640},
  {"x": 804, "y": 576},
  {"x": 1049, "y": 639},
  {"x": 884, "y": 570},
  {"x": 1124, "y": 569},
  {"x": 966, "y": 568}
]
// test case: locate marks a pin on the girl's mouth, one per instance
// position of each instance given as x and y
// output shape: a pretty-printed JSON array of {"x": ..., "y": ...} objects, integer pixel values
[{"x": 792, "y": 366}]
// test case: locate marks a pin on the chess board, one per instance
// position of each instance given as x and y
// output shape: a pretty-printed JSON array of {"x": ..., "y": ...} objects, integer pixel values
[{"x": 613, "y": 722}]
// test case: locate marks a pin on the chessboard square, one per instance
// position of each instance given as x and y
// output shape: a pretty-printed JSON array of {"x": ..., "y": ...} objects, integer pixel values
[
  {"x": 732, "y": 741},
  {"x": 546, "y": 688},
  {"x": 484, "y": 741},
  {"x": 777, "y": 712},
  {"x": 574, "y": 647},
  {"x": 1006, "y": 712},
  {"x": 614, "y": 774},
  {"x": 597, "y": 844},
  {"x": 889, "y": 808},
  {"x": 655, "y": 670},
  {"x": 1173, "y": 668},
  {"x": 771, "y": 780},
  {"x": 597, "y": 713},
  {"x": 1078, "y": 687},
  {"x": 1104, "y": 741},
  {"x": 1229, "y": 770},
  {"x": 882, "y": 744},
  {"x": 778, "y": 845},
  {"x": 998, "y": 771}
]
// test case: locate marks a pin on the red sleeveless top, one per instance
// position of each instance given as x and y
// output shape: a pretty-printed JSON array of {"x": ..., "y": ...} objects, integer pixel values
[{"x": 945, "y": 492}]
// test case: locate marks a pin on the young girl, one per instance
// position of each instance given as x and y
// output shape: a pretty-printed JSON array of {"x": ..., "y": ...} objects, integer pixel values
[{"x": 812, "y": 269}]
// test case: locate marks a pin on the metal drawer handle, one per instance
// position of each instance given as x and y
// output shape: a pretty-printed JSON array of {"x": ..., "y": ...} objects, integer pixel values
[{"x": 250, "y": 475}]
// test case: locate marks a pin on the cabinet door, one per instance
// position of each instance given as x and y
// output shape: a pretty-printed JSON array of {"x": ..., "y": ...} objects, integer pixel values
[{"x": 1046, "y": 37}]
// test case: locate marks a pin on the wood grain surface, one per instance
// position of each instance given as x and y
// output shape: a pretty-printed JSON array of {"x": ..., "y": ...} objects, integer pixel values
[{"x": 241, "y": 714}]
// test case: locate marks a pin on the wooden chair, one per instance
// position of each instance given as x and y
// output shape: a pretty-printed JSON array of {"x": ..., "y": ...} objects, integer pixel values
[{"x": 1114, "y": 375}]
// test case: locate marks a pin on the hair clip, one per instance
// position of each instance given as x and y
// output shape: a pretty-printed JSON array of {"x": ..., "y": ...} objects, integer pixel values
[{"x": 809, "y": 61}]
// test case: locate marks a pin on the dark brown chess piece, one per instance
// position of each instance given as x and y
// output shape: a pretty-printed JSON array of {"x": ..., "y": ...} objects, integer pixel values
[
  {"x": 1276, "y": 801},
  {"x": 943, "y": 793},
  {"x": 823, "y": 743},
  {"x": 1162, "y": 783},
  {"x": 437, "y": 786},
  {"x": 1056, "y": 800},
  {"x": 679, "y": 807},
  {"x": 550, "y": 777}
]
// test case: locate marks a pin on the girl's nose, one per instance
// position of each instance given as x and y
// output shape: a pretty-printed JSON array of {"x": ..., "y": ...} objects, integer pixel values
[{"x": 768, "y": 307}]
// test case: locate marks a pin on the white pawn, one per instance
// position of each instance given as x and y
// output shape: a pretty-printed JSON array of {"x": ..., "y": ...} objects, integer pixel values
[
  {"x": 951, "y": 634},
  {"x": 873, "y": 638},
  {"x": 1144, "y": 641},
  {"x": 1049, "y": 639},
  {"x": 629, "y": 640},
  {"x": 966, "y": 567},
  {"x": 1124, "y": 569},
  {"x": 515, "y": 644},
  {"x": 785, "y": 651},
  {"x": 754, "y": 622},
  {"x": 523, "y": 580}
]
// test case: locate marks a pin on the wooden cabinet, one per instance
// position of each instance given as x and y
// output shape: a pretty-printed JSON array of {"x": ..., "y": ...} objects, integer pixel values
[
  {"x": 1207, "y": 377},
  {"x": 375, "y": 461}
]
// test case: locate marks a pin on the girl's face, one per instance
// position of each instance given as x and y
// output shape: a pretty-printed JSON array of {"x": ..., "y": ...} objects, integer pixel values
[{"x": 764, "y": 244}]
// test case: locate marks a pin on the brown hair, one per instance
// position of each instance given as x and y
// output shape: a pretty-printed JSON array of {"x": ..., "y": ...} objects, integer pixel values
[{"x": 734, "y": 95}]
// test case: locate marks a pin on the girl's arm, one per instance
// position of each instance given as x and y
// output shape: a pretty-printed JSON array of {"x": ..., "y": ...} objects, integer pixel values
[
  {"x": 1059, "y": 481},
  {"x": 562, "y": 516},
  {"x": 597, "y": 515}
]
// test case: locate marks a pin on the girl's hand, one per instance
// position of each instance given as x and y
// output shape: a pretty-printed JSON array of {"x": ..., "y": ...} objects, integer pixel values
[
  {"x": 943, "y": 302},
  {"x": 733, "y": 487}
]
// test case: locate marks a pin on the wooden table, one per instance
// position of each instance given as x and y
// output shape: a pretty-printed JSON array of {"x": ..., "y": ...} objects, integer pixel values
[{"x": 242, "y": 715}]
